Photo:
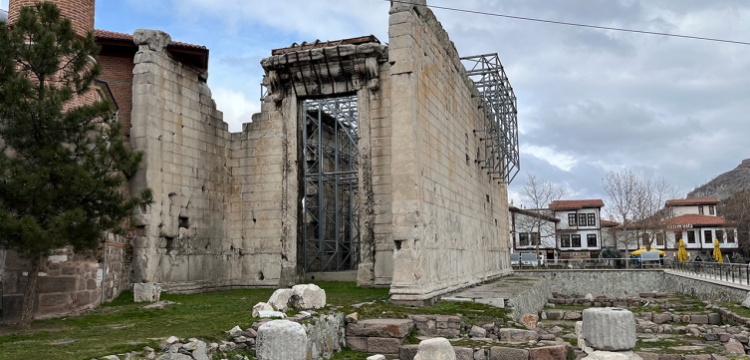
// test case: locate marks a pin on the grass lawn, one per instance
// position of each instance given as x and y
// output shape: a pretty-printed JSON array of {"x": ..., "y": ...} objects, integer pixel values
[{"x": 122, "y": 325}]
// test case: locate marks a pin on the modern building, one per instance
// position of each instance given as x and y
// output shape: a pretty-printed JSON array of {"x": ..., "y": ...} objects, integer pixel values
[
  {"x": 579, "y": 234},
  {"x": 697, "y": 223},
  {"x": 533, "y": 230}
]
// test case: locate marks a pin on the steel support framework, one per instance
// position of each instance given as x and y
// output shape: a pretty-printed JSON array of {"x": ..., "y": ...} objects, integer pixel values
[
  {"x": 331, "y": 184},
  {"x": 500, "y": 133}
]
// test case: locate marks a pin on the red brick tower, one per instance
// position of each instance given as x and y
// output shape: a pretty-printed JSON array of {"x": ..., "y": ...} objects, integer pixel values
[{"x": 80, "y": 12}]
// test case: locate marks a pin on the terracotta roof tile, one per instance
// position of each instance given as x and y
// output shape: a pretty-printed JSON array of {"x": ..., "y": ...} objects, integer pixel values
[
  {"x": 112, "y": 35},
  {"x": 607, "y": 223},
  {"x": 696, "y": 201},
  {"x": 695, "y": 220},
  {"x": 538, "y": 213},
  {"x": 576, "y": 204}
]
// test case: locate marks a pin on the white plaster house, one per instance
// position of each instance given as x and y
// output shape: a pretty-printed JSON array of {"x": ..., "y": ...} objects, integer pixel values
[
  {"x": 533, "y": 230},
  {"x": 693, "y": 220},
  {"x": 579, "y": 234},
  {"x": 697, "y": 223}
]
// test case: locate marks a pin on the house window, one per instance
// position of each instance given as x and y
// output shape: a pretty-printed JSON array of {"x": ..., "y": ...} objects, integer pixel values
[
  {"x": 720, "y": 235},
  {"x": 581, "y": 219},
  {"x": 711, "y": 210},
  {"x": 534, "y": 238},
  {"x": 523, "y": 239},
  {"x": 645, "y": 239},
  {"x": 677, "y": 237},
  {"x": 572, "y": 220},
  {"x": 591, "y": 240},
  {"x": 660, "y": 239},
  {"x": 707, "y": 237},
  {"x": 691, "y": 237},
  {"x": 575, "y": 240},
  {"x": 700, "y": 210},
  {"x": 565, "y": 241},
  {"x": 730, "y": 236},
  {"x": 592, "y": 219}
]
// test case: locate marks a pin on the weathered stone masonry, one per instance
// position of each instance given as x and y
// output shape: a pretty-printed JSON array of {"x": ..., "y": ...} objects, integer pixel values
[
  {"x": 450, "y": 225},
  {"x": 227, "y": 208}
]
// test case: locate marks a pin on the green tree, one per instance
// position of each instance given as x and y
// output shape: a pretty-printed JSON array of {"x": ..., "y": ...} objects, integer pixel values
[{"x": 62, "y": 167}]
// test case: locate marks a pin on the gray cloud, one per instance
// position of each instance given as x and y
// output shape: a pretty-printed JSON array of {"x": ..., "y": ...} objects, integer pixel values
[{"x": 591, "y": 100}]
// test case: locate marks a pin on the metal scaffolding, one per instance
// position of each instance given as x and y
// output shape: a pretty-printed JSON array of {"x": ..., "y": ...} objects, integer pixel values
[
  {"x": 331, "y": 184},
  {"x": 500, "y": 133}
]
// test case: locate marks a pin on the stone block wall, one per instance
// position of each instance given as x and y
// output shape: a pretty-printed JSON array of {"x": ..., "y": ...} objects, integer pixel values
[
  {"x": 69, "y": 282},
  {"x": 183, "y": 241},
  {"x": 450, "y": 219},
  {"x": 262, "y": 242},
  {"x": 612, "y": 283}
]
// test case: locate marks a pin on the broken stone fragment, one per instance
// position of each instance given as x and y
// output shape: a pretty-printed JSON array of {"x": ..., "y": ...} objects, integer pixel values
[
  {"x": 270, "y": 314},
  {"x": 435, "y": 349},
  {"x": 155, "y": 39},
  {"x": 280, "y": 299},
  {"x": 146, "y": 292},
  {"x": 235, "y": 331},
  {"x": 530, "y": 321},
  {"x": 260, "y": 307},
  {"x": 308, "y": 296},
  {"x": 281, "y": 340}
]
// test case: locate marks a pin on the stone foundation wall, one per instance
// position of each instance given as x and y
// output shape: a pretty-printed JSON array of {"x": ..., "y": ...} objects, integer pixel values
[
  {"x": 613, "y": 283},
  {"x": 630, "y": 283},
  {"x": 704, "y": 289},
  {"x": 450, "y": 219},
  {"x": 69, "y": 283}
]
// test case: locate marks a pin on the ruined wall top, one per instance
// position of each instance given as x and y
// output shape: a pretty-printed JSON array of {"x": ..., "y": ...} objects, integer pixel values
[{"x": 324, "y": 69}]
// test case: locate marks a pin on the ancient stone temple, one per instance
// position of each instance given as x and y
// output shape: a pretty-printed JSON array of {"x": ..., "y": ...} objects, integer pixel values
[{"x": 385, "y": 164}]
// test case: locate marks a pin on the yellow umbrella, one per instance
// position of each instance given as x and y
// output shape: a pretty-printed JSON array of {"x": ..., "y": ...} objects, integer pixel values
[
  {"x": 717, "y": 252},
  {"x": 682, "y": 254},
  {"x": 643, "y": 248}
]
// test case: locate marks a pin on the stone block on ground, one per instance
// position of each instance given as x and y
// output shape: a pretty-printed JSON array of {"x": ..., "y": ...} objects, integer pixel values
[
  {"x": 280, "y": 299},
  {"x": 558, "y": 352},
  {"x": 435, "y": 349},
  {"x": 376, "y": 357},
  {"x": 734, "y": 347},
  {"x": 261, "y": 306},
  {"x": 516, "y": 335},
  {"x": 613, "y": 355},
  {"x": 308, "y": 296},
  {"x": 395, "y": 328},
  {"x": 281, "y": 340},
  {"x": 477, "y": 332},
  {"x": 609, "y": 329},
  {"x": 146, "y": 292},
  {"x": 647, "y": 355},
  {"x": 746, "y": 302},
  {"x": 581, "y": 340},
  {"x": 503, "y": 353},
  {"x": 407, "y": 352},
  {"x": 463, "y": 353},
  {"x": 383, "y": 345},
  {"x": 530, "y": 321}
]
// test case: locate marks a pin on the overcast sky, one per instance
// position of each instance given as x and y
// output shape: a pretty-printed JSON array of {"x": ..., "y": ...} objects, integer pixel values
[{"x": 590, "y": 101}]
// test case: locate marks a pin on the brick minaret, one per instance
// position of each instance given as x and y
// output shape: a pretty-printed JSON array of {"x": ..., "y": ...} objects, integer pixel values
[{"x": 81, "y": 12}]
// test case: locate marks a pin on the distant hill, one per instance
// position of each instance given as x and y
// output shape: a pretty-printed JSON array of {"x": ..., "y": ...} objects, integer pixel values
[{"x": 725, "y": 184}]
